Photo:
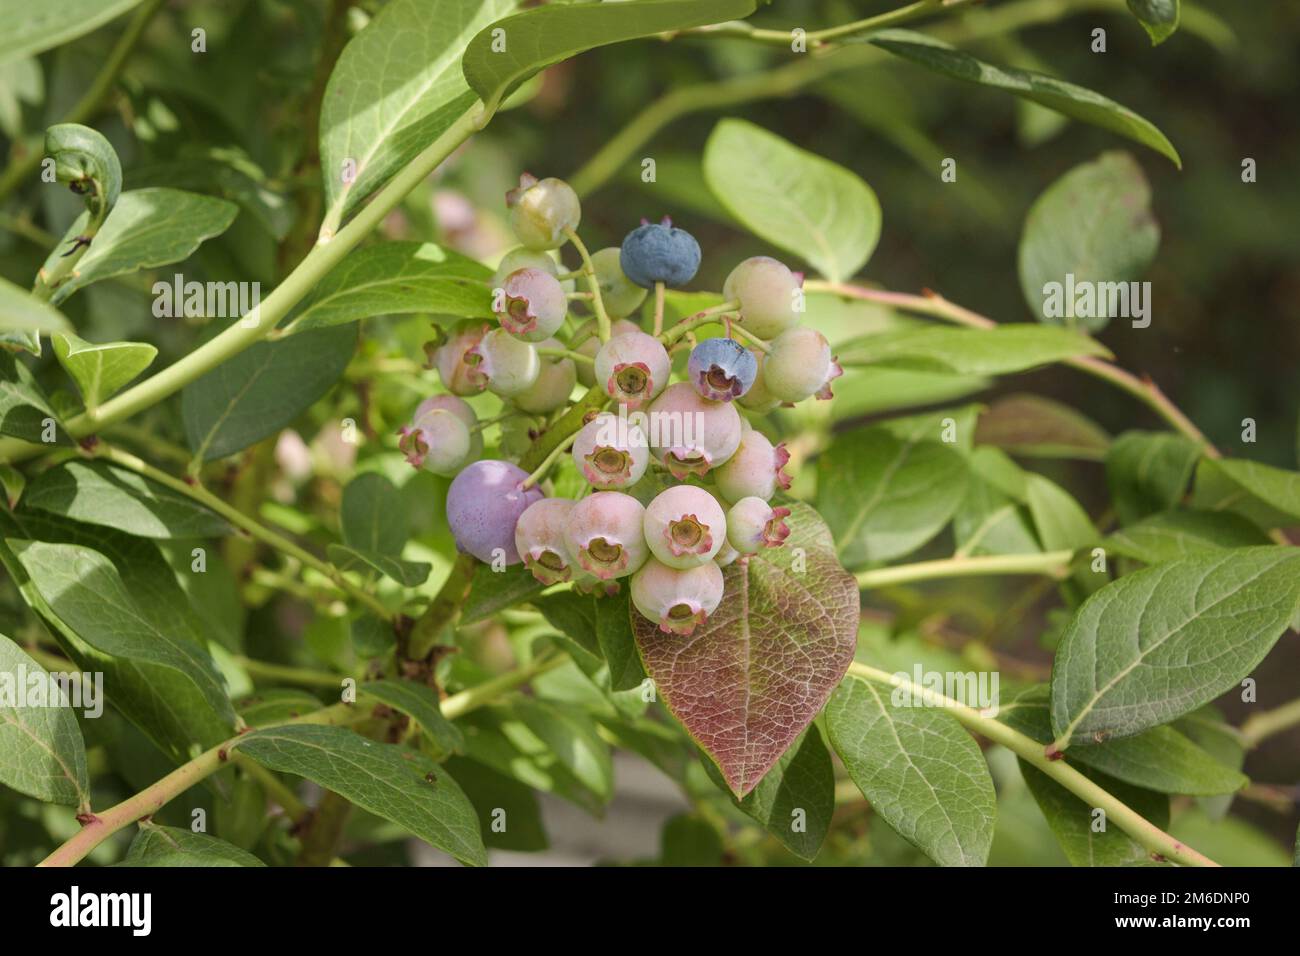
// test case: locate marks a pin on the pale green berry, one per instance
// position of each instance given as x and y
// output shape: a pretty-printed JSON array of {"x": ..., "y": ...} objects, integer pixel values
[
  {"x": 554, "y": 383},
  {"x": 589, "y": 344},
  {"x": 510, "y": 365},
  {"x": 618, "y": 293},
  {"x": 758, "y": 399},
  {"x": 797, "y": 365},
  {"x": 543, "y": 211},
  {"x": 766, "y": 291},
  {"x": 755, "y": 470},
  {"x": 521, "y": 257}
]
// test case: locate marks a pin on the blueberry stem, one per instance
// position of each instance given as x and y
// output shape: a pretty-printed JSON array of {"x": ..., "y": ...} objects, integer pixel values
[
  {"x": 695, "y": 321},
  {"x": 736, "y": 329},
  {"x": 566, "y": 353},
  {"x": 659, "y": 309},
  {"x": 540, "y": 471},
  {"x": 589, "y": 270}
]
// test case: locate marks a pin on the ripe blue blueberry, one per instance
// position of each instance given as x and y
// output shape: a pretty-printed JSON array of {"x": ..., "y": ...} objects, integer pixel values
[
  {"x": 659, "y": 252},
  {"x": 721, "y": 369},
  {"x": 484, "y": 503}
]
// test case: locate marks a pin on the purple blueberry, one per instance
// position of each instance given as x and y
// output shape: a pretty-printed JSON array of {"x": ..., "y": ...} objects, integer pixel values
[
  {"x": 484, "y": 503},
  {"x": 721, "y": 369},
  {"x": 659, "y": 252}
]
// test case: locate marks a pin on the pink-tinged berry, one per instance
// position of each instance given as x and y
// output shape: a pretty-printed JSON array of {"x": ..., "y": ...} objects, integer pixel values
[
  {"x": 531, "y": 304},
  {"x": 442, "y": 435},
  {"x": 541, "y": 211},
  {"x": 721, "y": 369},
  {"x": 753, "y": 524},
  {"x": 691, "y": 434},
  {"x": 554, "y": 383},
  {"x": 588, "y": 344},
  {"x": 797, "y": 365},
  {"x": 457, "y": 359},
  {"x": 522, "y": 257},
  {"x": 611, "y": 452},
  {"x": 510, "y": 365},
  {"x": 484, "y": 503},
  {"x": 604, "y": 535},
  {"x": 684, "y": 526},
  {"x": 539, "y": 539},
  {"x": 765, "y": 289},
  {"x": 678, "y": 601},
  {"x": 755, "y": 470},
  {"x": 726, "y": 555},
  {"x": 633, "y": 368},
  {"x": 617, "y": 292}
]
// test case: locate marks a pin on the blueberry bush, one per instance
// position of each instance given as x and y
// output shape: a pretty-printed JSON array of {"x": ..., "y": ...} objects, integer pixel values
[{"x": 459, "y": 516}]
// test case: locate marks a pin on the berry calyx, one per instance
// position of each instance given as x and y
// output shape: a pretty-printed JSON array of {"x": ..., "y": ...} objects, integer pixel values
[
  {"x": 611, "y": 452},
  {"x": 439, "y": 438},
  {"x": 691, "y": 434},
  {"x": 659, "y": 252},
  {"x": 532, "y": 304},
  {"x": 539, "y": 539},
  {"x": 684, "y": 526},
  {"x": 679, "y": 601},
  {"x": 633, "y": 368},
  {"x": 604, "y": 535},
  {"x": 721, "y": 369}
]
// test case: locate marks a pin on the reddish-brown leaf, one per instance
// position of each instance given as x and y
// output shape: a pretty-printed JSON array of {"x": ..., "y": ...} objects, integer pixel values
[{"x": 748, "y": 681}]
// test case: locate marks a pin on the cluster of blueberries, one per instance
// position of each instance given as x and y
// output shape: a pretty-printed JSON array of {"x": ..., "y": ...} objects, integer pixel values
[{"x": 674, "y": 548}]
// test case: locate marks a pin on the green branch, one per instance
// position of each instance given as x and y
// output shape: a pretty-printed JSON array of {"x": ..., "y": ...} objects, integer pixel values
[
  {"x": 1142, "y": 830},
  {"x": 1053, "y": 564},
  {"x": 1260, "y": 727}
]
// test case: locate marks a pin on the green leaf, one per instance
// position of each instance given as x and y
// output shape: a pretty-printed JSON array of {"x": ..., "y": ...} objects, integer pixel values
[
  {"x": 991, "y": 522},
  {"x": 1159, "y": 759},
  {"x": 1062, "y": 523},
  {"x": 508, "y": 813},
  {"x": 373, "y": 517},
  {"x": 1093, "y": 224},
  {"x": 41, "y": 751},
  {"x": 12, "y": 482},
  {"x": 84, "y": 589},
  {"x": 262, "y": 389},
  {"x": 602, "y": 626},
  {"x": 100, "y": 370},
  {"x": 490, "y": 591},
  {"x": 996, "y": 351},
  {"x": 1073, "y": 101},
  {"x": 98, "y": 493},
  {"x": 796, "y": 798},
  {"x": 1158, "y": 17},
  {"x": 408, "y": 573},
  {"x": 1073, "y": 822},
  {"x": 924, "y": 775},
  {"x": 792, "y": 198},
  {"x": 754, "y": 675},
  {"x": 570, "y": 734},
  {"x": 885, "y": 495},
  {"x": 86, "y": 161},
  {"x": 1148, "y": 472},
  {"x": 147, "y": 228},
  {"x": 1181, "y": 534},
  {"x": 275, "y": 705},
  {"x": 690, "y": 840},
  {"x": 1268, "y": 496},
  {"x": 34, "y": 28},
  {"x": 1160, "y": 642},
  {"x": 20, "y": 312},
  {"x": 157, "y": 845},
  {"x": 395, "y": 278},
  {"x": 396, "y": 87},
  {"x": 1031, "y": 426},
  {"x": 399, "y": 784},
  {"x": 24, "y": 409},
  {"x": 540, "y": 37},
  {"x": 420, "y": 703},
  {"x": 174, "y": 711}
]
